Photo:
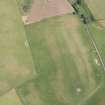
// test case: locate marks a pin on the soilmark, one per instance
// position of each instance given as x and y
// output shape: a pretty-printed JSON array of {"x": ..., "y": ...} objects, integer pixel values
[
  {"x": 24, "y": 18},
  {"x": 42, "y": 9},
  {"x": 26, "y": 44},
  {"x": 78, "y": 90},
  {"x": 97, "y": 62}
]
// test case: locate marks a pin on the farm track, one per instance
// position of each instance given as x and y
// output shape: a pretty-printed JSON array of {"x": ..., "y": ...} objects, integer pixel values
[
  {"x": 34, "y": 72},
  {"x": 91, "y": 94}
]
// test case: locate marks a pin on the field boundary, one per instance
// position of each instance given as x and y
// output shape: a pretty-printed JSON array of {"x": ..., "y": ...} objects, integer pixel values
[
  {"x": 34, "y": 72},
  {"x": 18, "y": 94},
  {"x": 91, "y": 94}
]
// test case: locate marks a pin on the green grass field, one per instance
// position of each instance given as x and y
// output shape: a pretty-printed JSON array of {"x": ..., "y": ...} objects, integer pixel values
[
  {"x": 98, "y": 98},
  {"x": 97, "y": 8},
  {"x": 16, "y": 65},
  {"x": 51, "y": 62},
  {"x": 98, "y": 33},
  {"x": 65, "y": 63}
]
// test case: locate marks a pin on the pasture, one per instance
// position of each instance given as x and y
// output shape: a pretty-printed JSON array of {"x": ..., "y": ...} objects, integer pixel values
[
  {"x": 16, "y": 64},
  {"x": 98, "y": 32},
  {"x": 69, "y": 71},
  {"x": 57, "y": 49},
  {"x": 102, "y": 23},
  {"x": 10, "y": 98},
  {"x": 97, "y": 8}
]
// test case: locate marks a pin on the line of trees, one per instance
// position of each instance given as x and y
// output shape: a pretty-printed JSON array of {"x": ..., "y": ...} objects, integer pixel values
[{"x": 74, "y": 2}]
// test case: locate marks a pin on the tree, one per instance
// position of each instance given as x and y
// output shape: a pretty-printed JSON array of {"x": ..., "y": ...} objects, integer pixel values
[{"x": 78, "y": 1}]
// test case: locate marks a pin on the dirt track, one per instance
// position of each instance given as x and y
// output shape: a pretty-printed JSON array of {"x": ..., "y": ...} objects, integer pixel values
[{"x": 42, "y": 9}]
